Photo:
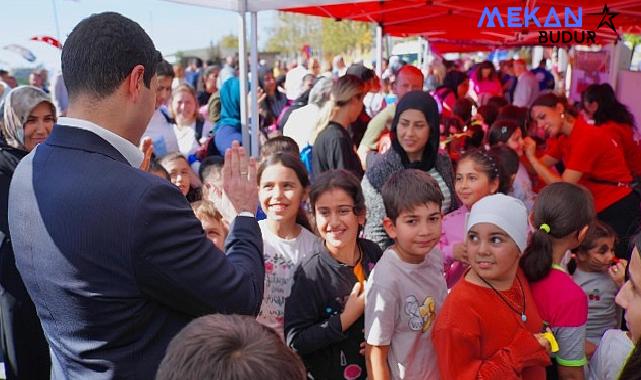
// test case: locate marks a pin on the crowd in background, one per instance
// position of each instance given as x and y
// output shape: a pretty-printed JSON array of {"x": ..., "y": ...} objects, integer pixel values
[{"x": 456, "y": 225}]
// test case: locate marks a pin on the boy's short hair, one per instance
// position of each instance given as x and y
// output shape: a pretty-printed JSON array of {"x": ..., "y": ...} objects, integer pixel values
[
  {"x": 407, "y": 189},
  {"x": 206, "y": 209},
  {"x": 229, "y": 347},
  {"x": 165, "y": 69},
  {"x": 211, "y": 166},
  {"x": 279, "y": 144}
]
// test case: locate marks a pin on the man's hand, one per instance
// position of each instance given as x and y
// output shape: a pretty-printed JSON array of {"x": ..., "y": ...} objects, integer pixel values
[{"x": 240, "y": 190}]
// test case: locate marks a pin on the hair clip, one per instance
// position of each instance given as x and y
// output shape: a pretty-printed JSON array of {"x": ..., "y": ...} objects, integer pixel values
[
  {"x": 545, "y": 227},
  {"x": 503, "y": 130}
]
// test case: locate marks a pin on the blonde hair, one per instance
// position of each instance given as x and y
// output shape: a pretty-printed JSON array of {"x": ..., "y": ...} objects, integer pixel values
[
  {"x": 188, "y": 89},
  {"x": 344, "y": 89},
  {"x": 206, "y": 209}
]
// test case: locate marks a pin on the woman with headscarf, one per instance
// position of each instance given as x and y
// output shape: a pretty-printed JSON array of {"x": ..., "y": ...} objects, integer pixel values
[
  {"x": 415, "y": 142},
  {"x": 271, "y": 102},
  {"x": 228, "y": 128},
  {"x": 28, "y": 119}
]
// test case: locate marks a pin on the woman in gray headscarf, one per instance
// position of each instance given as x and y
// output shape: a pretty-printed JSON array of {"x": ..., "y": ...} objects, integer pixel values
[{"x": 28, "y": 117}]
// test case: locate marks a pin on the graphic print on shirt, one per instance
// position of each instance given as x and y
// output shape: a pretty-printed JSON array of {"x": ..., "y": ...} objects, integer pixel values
[
  {"x": 422, "y": 315},
  {"x": 279, "y": 271},
  {"x": 351, "y": 371},
  {"x": 595, "y": 295}
]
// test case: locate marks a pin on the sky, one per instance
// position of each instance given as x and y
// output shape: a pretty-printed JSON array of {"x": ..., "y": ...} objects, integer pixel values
[{"x": 171, "y": 26}]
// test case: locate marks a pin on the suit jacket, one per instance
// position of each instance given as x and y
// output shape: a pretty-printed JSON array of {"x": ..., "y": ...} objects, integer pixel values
[{"x": 115, "y": 260}]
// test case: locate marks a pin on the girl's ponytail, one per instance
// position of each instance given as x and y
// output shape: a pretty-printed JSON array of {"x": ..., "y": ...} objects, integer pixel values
[
  {"x": 537, "y": 257},
  {"x": 561, "y": 209}
]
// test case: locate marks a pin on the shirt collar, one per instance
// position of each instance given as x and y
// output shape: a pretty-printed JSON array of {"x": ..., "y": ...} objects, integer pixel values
[{"x": 131, "y": 152}]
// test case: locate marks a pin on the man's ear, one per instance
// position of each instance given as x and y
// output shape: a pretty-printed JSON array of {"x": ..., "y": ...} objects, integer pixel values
[
  {"x": 389, "y": 227},
  {"x": 136, "y": 81}
]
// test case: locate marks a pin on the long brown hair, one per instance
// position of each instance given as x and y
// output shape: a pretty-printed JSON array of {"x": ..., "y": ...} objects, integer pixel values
[{"x": 294, "y": 163}]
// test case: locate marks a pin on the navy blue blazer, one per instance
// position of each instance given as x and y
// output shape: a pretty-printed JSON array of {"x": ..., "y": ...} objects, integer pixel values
[{"x": 115, "y": 260}]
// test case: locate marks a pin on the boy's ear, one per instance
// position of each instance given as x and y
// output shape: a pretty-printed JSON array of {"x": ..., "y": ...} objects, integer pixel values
[{"x": 390, "y": 228}]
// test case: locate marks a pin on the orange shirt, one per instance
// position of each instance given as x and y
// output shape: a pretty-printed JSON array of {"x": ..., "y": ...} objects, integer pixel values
[
  {"x": 477, "y": 336},
  {"x": 598, "y": 155}
]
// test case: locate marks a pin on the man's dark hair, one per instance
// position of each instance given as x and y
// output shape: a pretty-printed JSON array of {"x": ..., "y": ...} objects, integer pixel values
[
  {"x": 102, "y": 50},
  {"x": 229, "y": 347},
  {"x": 165, "y": 69},
  {"x": 407, "y": 189}
]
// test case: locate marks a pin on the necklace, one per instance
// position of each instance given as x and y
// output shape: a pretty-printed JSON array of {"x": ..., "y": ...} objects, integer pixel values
[{"x": 505, "y": 301}]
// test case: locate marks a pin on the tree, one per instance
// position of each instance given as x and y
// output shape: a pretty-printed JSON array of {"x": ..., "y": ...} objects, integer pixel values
[
  {"x": 229, "y": 41},
  {"x": 325, "y": 36}
]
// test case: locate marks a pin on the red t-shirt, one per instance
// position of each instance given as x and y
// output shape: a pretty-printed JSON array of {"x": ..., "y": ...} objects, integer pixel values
[
  {"x": 624, "y": 135},
  {"x": 477, "y": 336},
  {"x": 597, "y": 154}
]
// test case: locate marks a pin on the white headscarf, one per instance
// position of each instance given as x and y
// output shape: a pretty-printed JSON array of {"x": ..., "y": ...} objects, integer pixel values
[
  {"x": 507, "y": 213},
  {"x": 18, "y": 105}
]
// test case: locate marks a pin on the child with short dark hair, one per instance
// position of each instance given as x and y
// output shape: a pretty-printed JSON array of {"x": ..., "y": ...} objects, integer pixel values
[
  {"x": 279, "y": 144},
  {"x": 407, "y": 288},
  {"x": 324, "y": 313},
  {"x": 560, "y": 218}
]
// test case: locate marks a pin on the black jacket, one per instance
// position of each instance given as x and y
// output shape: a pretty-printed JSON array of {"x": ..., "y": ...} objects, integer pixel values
[{"x": 312, "y": 315}]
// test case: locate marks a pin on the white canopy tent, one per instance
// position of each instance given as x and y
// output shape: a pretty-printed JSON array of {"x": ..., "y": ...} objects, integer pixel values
[{"x": 254, "y": 6}]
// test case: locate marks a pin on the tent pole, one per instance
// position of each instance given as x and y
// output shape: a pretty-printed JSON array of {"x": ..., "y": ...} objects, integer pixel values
[
  {"x": 242, "y": 76},
  {"x": 254, "y": 84},
  {"x": 379, "y": 50}
]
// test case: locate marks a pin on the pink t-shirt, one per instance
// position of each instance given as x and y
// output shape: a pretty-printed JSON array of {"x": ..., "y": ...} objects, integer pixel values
[{"x": 564, "y": 306}]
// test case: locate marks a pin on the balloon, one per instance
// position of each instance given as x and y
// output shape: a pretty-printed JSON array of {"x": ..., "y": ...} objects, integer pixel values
[
  {"x": 48, "y": 40},
  {"x": 24, "y": 52}
]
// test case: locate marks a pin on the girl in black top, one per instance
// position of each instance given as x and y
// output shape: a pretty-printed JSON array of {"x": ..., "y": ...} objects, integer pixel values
[{"x": 324, "y": 313}]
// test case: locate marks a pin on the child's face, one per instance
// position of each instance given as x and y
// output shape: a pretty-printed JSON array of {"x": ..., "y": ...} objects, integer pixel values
[
  {"x": 629, "y": 297},
  {"x": 492, "y": 253},
  {"x": 335, "y": 218},
  {"x": 280, "y": 193},
  {"x": 599, "y": 258},
  {"x": 215, "y": 231},
  {"x": 515, "y": 142},
  {"x": 472, "y": 184},
  {"x": 415, "y": 232},
  {"x": 179, "y": 173}
]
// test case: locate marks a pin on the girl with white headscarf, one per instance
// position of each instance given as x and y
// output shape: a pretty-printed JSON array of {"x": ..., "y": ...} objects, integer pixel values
[{"x": 28, "y": 117}]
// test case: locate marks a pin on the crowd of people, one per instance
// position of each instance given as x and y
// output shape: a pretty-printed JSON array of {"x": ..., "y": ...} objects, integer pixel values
[{"x": 485, "y": 229}]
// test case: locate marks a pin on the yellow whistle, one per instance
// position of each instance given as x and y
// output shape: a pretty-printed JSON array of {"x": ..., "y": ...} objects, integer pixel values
[{"x": 554, "y": 346}]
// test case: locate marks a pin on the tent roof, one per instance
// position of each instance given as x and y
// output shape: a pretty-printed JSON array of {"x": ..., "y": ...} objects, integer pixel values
[
  {"x": 458, "y": 19},
  {"x": 256, "y": 5}
]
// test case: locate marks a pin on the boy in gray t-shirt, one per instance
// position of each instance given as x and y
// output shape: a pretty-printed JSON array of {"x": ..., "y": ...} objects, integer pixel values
[{"x": 406, "y": 288}]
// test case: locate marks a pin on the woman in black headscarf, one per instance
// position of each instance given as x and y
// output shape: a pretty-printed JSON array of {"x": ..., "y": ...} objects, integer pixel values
[{"x": 415, "y": 145}]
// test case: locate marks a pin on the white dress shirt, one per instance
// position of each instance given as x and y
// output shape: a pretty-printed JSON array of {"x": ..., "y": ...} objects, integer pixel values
[{"x": 131, "y": 152}]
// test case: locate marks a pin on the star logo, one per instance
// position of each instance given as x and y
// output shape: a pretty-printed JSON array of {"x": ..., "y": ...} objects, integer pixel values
[{"x": 607, "y": 19}]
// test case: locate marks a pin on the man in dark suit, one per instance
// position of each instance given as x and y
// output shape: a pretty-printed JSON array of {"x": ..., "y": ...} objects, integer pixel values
[{"x": 113, "y": 257}]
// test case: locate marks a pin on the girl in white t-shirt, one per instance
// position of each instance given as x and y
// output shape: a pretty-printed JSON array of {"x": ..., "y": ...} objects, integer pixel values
[{"x": 282, "y": 189}]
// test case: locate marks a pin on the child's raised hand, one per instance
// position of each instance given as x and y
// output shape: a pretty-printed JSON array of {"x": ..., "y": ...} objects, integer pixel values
[
  {"x": 354, "y": 307},
  {"x": 147, "y": 149},
  {"x": 529, "y": 147},
  {"x": 617, "y": 272}
]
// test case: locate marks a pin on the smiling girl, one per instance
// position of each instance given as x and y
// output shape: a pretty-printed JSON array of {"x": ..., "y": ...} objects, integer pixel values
[
  {"x": 489, "y": 327},
  {"x": 287, "y": 241},
  {"x": 477, "y": 176},
  {"x": 324, "y": 314}
]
